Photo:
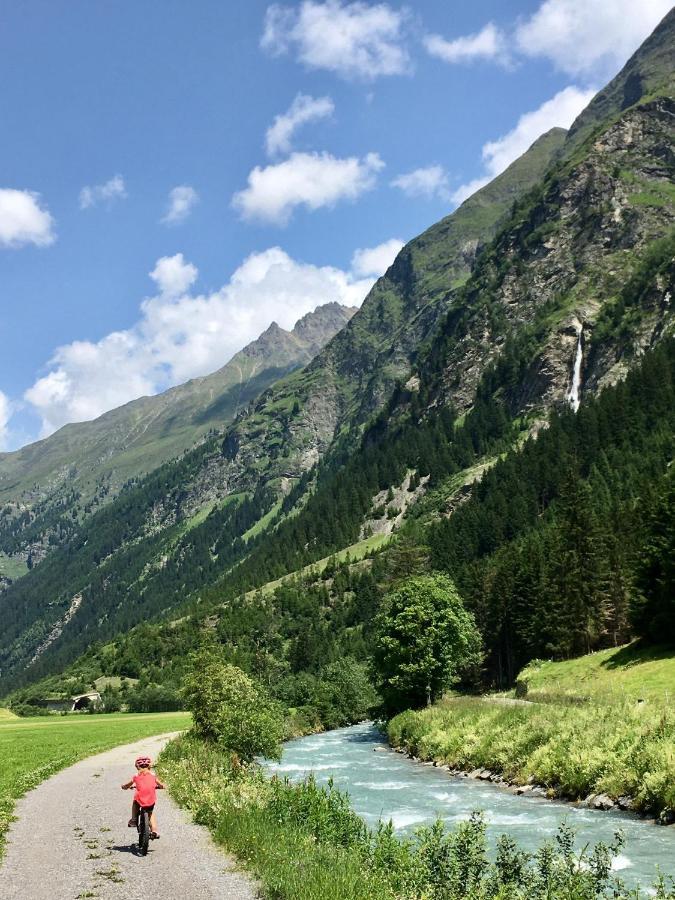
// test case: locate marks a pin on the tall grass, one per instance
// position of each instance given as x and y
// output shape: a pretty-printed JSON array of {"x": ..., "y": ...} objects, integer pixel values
[
  {"x": 246, "y": 814},
  {"x": 305, "y": 843},
  {"x": 621, "y": 750}
]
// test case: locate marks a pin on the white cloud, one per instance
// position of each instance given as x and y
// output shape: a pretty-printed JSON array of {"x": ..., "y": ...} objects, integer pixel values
[
  {"x": 431, "y": 181},
  {"x": 111, "y": 190},
  {"x": 312, "y": 180},
  {"x": 589, "y": 38},
  {"x": 180, "y": 335},
  {"x": 23, "y": 220},
  {"x": 488, "y": 43},
  {"x": 182, "y": 200},
  {"x": 375, "y": 260},
  {"x": 173, "y": 276},
  {"x": 559, "y": 111},
  {"x": 5, "y": 416},
  {"x": 354, "y": 40},
  {"x": 302, "y": 110}
]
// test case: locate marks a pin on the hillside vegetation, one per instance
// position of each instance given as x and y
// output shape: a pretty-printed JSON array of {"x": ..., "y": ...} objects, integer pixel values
[{"x": 48, "y": 488}]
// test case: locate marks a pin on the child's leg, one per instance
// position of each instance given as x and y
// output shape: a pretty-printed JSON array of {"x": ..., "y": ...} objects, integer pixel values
[
  {"x": 134, "y": 815},
  {"x": 153, "y": 822}
]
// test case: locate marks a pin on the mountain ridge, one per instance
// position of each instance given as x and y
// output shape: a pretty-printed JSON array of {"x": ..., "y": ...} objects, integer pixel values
[{"x": 95, "y": 458}]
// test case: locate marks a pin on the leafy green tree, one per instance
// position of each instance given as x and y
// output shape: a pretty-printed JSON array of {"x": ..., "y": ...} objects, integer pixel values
[
  {"x": 424, "y": 641},
  {"x": 111, "y": 699},
  {"x": 345, "y": 694},
  {"x": 153, "y": 698},
  {"x": 230, "y": 709}
]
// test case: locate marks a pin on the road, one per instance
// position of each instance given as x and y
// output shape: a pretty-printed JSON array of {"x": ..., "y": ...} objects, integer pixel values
[{"x": 71, "y": 841}]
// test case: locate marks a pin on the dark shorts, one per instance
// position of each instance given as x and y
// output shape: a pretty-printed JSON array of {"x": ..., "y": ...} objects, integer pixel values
[{"x": 148, "y": 808}]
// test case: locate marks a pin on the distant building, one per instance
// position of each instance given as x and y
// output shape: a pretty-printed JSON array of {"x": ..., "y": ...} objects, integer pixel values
[{"x": 70, "y": 704}]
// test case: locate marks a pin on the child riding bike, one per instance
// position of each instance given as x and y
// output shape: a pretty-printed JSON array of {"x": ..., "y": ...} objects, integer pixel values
[{"x": 147, "y": 784}]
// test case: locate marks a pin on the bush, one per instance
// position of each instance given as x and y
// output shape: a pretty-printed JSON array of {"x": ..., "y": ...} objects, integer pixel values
[{"x": 231, "y": 710}]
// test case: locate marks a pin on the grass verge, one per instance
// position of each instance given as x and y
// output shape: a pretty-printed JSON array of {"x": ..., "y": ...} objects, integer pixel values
[
  {"x": 32, "y": 749},
  {"x": 610, "y": 676}
]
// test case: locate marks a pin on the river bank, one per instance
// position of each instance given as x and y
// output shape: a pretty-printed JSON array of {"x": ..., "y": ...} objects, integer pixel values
[
  {"x": 384, "y": 785},
  {"x": 599, "y": 802},
  {"x": 605, "y": 757}
]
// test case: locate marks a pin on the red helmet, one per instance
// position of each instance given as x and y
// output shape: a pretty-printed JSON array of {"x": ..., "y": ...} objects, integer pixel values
[{"x": 142, "y": 762}]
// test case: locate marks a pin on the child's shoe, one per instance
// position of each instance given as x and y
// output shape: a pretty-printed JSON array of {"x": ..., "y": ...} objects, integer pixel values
[
  {"x": 132, "y": 823},
  {"x": 154, "y": 836}
]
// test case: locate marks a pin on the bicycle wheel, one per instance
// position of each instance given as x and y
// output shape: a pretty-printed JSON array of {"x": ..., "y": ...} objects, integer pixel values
[{"x": 143, "y": 831}]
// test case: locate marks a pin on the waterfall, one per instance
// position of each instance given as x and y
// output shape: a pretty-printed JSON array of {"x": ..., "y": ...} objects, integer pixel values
[{"x": 573, "y": 395}]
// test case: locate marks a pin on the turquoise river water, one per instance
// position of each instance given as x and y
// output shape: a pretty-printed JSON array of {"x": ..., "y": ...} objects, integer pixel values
[{"x": 386, "y": 785}]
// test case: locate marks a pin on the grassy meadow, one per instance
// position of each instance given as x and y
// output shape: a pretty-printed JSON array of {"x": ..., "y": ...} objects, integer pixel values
[
  {"x": 610, "y": 676},
  {"x": 32, "y": 749}
]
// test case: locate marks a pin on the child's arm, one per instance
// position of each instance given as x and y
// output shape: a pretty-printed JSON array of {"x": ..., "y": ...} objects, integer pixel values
[
  {"x": 129, "y": 784},
  {"x": 158, "y": 784}
]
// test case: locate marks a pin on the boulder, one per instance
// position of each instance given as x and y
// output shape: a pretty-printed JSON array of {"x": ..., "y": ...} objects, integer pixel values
[{"x": 600, "y": 801}]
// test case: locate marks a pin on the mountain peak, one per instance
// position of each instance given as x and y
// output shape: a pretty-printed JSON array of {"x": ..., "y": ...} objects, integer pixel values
[
  {"x": 329, "y": 318},
  {"x": 273, "y": 330},
  {"x": 650, "y": 70}
]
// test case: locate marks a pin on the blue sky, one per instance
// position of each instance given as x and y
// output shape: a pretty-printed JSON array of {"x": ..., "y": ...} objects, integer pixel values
[{"x": 151, "y": 223}]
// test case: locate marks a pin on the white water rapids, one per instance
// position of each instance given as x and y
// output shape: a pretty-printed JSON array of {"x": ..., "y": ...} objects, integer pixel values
[{"x": 387, "y": 785}]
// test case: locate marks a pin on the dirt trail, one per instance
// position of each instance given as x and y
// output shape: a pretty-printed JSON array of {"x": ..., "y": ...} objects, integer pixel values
[{"x": 71, "y": 841}]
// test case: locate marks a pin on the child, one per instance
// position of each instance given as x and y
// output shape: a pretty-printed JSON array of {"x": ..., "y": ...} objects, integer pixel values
[{"x": 146, "y": 784}]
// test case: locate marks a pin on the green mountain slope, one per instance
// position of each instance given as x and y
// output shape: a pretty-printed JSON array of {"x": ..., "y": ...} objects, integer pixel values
[
  {"x": 354, "y": 375},
  {"x": 548, "y": 547},
  {"x": 460, "y": 351},
  {"x": 46, "y": 487}
]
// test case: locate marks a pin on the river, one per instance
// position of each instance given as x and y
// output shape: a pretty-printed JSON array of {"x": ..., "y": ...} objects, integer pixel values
[{"x": 387, "y": 785}]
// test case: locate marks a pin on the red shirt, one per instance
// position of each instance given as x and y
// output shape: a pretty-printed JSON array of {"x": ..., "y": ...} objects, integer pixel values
[{"x": 146, "y": 788}]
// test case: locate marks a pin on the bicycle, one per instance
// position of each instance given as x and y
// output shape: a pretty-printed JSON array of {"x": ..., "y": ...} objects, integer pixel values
[{"x": 144, "y": 830}]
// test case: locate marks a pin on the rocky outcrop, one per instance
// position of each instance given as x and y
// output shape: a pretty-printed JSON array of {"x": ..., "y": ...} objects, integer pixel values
[{"x": 570, "y": 255}]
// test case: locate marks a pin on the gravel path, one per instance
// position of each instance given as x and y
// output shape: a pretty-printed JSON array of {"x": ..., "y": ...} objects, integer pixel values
[{"x": 71, "y": 841}]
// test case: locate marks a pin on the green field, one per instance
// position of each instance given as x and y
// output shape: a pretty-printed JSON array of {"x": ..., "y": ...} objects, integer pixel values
[
  {"x": 12, "y": 568},
  {"x": 33, "y": 749},
  {"x": 624, "y": 673}
]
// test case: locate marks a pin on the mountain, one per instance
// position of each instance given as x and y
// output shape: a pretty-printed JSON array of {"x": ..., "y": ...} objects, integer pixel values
[
  {"x": 47, "y": 487},
  {"x": 647, "y": 74},
  {"x": 548, "y": 290}
]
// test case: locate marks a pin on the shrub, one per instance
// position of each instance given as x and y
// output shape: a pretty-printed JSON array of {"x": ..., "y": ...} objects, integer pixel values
[{"x": 231, "y": 710}]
